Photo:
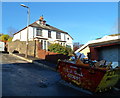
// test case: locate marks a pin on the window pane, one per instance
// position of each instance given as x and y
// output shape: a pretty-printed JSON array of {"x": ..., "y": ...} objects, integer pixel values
[
  {"x": 38, "y": 32},
  {"x": 58, "y": 35},
  {"x": 49, "y": 34}
]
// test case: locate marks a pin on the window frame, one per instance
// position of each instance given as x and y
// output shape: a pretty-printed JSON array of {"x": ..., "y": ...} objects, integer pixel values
[
  {"x": 58, "y": 35},
  {"x": 49, "y": 34},
  {"x": 38, "y": 33}
]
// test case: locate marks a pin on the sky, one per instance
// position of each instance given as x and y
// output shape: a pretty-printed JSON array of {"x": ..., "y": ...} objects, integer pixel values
[{"x": 84, "y": 21}]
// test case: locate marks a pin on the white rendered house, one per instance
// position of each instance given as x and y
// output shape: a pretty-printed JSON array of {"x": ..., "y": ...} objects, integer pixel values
[{"x": 45, "y": 33}]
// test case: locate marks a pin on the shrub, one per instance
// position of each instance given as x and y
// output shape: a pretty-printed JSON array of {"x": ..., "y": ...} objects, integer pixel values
[{"x": 57, "y": 48}]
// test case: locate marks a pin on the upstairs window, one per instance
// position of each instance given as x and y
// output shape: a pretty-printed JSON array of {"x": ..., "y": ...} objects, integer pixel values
[
  {"x": 39, "y": 32},
  {"x": 49, "y": 34},
  {"x": 58, "y": 35}
]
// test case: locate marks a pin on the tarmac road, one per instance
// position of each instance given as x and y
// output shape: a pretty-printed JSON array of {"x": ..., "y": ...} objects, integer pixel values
[{"x": 20, "y": 78}]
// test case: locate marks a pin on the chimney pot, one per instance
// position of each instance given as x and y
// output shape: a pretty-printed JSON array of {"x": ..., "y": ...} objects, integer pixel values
[{"x": 41, "y": 18}]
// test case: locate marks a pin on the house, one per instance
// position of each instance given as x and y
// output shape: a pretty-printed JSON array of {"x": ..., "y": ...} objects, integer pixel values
[
  {"x": 45, "y": 33},
  {"x": 40, "y": 36},
  {"x": 107, "y": 48},
  {"x": 2, "y": 46}
]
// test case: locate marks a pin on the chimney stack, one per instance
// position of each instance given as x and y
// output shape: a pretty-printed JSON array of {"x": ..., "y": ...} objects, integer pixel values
[{"x": 42, "y": 21}]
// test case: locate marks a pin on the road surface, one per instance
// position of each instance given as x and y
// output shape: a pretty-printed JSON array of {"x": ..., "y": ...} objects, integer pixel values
[{"x": 20, "y": 78}]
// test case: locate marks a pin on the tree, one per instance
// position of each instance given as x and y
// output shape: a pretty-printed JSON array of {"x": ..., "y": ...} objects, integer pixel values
[
  {"x": 1, "y": 34},
  {"x": 11, "y": 31},
  {"x": 10, "y": 39},
  {"x": 57, "y": 48},
  {"x": 5, "y": 37},
  {"x": 76, "y": 46}
]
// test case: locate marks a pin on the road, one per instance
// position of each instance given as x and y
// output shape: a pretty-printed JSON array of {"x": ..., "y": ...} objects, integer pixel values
[{"x": 20, "y": 78}]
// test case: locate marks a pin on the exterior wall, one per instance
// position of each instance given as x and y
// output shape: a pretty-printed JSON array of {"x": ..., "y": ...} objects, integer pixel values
[
  {"x": 53, "y": 38},
  {"x": 68, "y": 40},
  {"x": 45, "y": 33},
  {"x": 2, "y": 46},
  {"x": 16, "y": 37},
  {"x": 85, "y": 51},
  {"x": 22, "y": 36},
  {"x": 34, "y": 49},
  {"x": 93, "y": 53},
  {"x": 20, "y": 46},
  {"x": 31, "y": 33},
  {"x": 62, "y": 36},
  {"x": 53, "y": 35}
]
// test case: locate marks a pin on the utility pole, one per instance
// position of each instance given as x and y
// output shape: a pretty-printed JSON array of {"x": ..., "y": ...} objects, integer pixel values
[{"x": 28, "y": 22}]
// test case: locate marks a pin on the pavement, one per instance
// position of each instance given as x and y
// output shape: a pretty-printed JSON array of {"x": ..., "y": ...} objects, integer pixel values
[{"x": 37, "y": 61}]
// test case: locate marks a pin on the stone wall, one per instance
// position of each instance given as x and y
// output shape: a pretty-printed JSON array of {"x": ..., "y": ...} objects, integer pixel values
[
  {"x": 34, "y": 49},
  {"x": 20, "y": 46}
]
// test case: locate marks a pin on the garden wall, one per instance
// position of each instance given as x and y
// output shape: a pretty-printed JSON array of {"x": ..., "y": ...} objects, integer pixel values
[
  {"x": 34, "y": 49},
  {"x": 20, "y": 46}
]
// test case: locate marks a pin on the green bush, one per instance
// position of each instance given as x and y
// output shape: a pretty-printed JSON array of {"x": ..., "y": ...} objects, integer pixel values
[
  {"x": 10, "y": 39},
  {"x": 5, "y": 37},
  {"x": 57, "y": 48}
]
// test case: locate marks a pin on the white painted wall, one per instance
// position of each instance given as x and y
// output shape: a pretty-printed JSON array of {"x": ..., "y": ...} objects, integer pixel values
[
  {"x": 53, "y": 35},
  {"x": 69, "y": 40},
  {"x": 62, "y": 36},
  {"x": 30, "y": 35},
  {"x": 2, "y": 46},
  {"x": 16, "y": 37},
  {"x": 45, "y": 33},
  {"x": 22, "y": 36}
]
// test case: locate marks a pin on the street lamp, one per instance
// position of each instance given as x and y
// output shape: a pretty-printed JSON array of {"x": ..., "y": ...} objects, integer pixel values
[{"x": 28, "y": 21}]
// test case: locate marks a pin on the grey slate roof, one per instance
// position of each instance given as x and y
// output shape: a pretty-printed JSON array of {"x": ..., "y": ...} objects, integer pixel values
[{"x": 47, "y": 27}]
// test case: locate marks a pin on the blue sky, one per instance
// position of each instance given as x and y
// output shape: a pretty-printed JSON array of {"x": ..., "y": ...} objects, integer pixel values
[{"x": 84, "y": 21}]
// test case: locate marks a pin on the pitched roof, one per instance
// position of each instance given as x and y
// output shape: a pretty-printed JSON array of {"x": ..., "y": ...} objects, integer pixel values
[
  {"x": 47, "y": 27},
  {"x": 105, "y": 39}
]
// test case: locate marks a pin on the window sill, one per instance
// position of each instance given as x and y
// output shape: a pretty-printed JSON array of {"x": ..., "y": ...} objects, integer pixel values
[{"x": 39, "y": 35}]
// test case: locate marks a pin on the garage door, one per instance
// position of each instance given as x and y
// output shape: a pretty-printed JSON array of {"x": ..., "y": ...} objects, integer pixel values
[{"x": 110, "y": 53}]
